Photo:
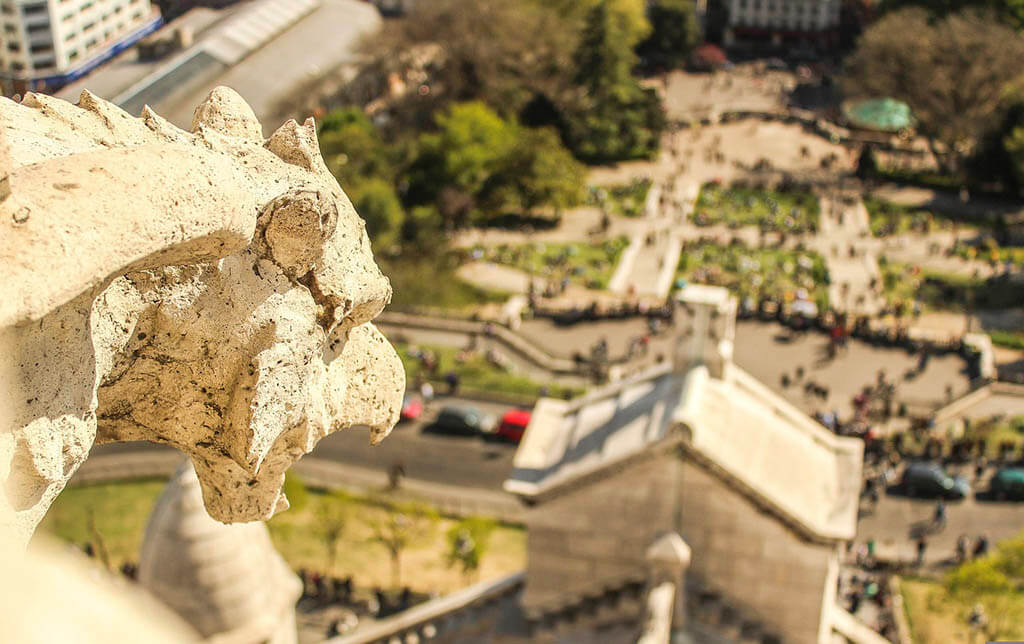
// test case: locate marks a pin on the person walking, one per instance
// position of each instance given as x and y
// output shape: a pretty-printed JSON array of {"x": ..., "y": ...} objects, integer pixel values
[
  {"x": 961, "y": 548},
  {"x": 981, "y": 547},
  {"x": 922, "y": 546},
  {"x": 939, "y": 521}
]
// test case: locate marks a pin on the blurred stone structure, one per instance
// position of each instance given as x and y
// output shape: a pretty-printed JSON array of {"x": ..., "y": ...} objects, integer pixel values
[
  {"x": 227, "y": 581},
  {"x": 762, "y": 495},
  {"x": 211, "y": 290}
]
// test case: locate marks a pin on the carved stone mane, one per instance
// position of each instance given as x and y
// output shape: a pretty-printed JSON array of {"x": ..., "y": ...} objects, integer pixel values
[{"x": 210, "y": 289}]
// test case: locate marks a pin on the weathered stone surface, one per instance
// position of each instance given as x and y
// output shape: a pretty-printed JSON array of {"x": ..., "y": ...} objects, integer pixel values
[{"x": 208, "y": 290}]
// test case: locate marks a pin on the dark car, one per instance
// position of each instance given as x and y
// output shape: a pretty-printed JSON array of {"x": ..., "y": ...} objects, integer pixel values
[
  {"x": 1008, "y": 483},
  {"x": 464, "y": 421},
  {"x": 929, "y": 480}
]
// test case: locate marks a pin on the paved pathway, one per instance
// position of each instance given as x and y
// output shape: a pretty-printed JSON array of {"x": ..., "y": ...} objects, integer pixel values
[{"x": 844, "y": 239}]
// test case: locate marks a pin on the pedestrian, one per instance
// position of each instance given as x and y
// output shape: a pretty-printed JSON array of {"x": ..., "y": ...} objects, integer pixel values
[
  {"x": 981, "y": 547},
  {"x": 922, "y": 546},
  {"x": 939, "y": 521},
  {"x": 961, "y": 548},
  {"x": 976, "y": 620},
  {"x": 452, "y": 379}
]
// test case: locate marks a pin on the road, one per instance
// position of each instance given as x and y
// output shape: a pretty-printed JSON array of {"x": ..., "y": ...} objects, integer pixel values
[{"x": 425, "y": 456}]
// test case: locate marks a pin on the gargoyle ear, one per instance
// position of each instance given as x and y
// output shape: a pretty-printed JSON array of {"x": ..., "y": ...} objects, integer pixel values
[
  {"x": 227, "y": 113},
  {"x": 297, "y": 145}
]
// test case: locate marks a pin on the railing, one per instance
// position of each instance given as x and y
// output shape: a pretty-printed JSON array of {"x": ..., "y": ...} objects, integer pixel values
[{"x": 430, "y": 619}]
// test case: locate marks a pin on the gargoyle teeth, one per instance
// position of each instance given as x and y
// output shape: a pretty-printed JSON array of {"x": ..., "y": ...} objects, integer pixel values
[{"x": 227, "y": 113}]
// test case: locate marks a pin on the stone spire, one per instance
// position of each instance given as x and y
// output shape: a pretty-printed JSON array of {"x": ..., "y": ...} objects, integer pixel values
[{"x": 226, "y": 580}]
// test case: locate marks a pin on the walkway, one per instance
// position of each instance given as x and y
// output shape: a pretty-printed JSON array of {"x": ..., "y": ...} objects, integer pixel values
[{"x": 844, "y": 239}]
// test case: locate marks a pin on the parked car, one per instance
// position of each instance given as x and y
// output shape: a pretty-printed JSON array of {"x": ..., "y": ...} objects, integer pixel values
[
  {"x": 464, "y": 421},
  {"x": 929, "y": 480},
  {"x": 412, "y": 407},
  {"x": 513, "y": 425},
  {"x": 1008, "y": 483}
]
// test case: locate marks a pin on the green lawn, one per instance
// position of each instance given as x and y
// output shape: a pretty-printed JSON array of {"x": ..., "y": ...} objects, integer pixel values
[
  {"x": 477, "y": 374},
  {"x": 940, "y": 291},
  {"x": 430, "y": 282},
  {"x": 1008, "y": 339},
  {"x": 121, "y": 511},
  {"x": 791, "y": 212},
  {"x": 1010, "y": 430},
  {"x": 887, "y": 218},
  {"x": 751, "y": 272},
  {"x": 991, "y": 251},
  {"x": 589, "y": 265},
  {"x": 626, "y": 200},
  {"x": 938, "y": 611}
]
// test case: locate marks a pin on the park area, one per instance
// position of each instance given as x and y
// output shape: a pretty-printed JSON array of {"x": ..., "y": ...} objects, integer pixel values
[
  {"x": 478, "y": 372},
  {"x": 624, "y": 200},
  {"x": 332, "y": 533},
  {"x": 938, "y": 611},
  {"x": 770, "y": 210},
  {"x": 589, "y": 265},
  {"x": 782, "y": 274},
  {"x": 887, "y": 218}
]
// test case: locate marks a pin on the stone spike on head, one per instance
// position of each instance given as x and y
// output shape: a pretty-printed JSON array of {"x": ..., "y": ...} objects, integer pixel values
[
  {"x": 227, "y": 113},
  {"x": 297, "y": 145}
]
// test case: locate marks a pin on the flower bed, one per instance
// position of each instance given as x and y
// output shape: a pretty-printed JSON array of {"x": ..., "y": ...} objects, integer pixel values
[{"x": 771, "y": 210}]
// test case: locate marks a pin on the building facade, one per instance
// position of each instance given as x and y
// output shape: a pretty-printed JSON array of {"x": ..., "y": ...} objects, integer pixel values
[
  {"x": 45, "y": 44},
  {"x": 782, "y": 22}
]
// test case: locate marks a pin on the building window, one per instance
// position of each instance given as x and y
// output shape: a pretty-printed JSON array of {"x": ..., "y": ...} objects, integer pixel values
[
  {"x": 16, "y": 66},
  {"x": 7, "y": 9},
  {"x": 70, "y": 37},
  {"x": 41, "y": 49},
  {"x": 68, "y": 18},
  {"x": 14, "y": 46},
  {"x": 11, "y": 29},
  {"x": 89, "y": 44},
  {"x": 73, "y": 54},
  {"x": 46, "y": 62},
  {"x": 88, "y": 27},
  {"x": 33, "y": 9},
  {"x": 34, "y": 30}
]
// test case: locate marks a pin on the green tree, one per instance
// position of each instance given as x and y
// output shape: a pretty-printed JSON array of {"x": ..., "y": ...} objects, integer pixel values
[
  {"x": 1010, "y": 12},
  {"x": 352, "y": 148},
  {"x": 404, "y": 524},
  {"x": 674, "y": 33},
  {"x": 331, "y": 517},
  {"x": 468, "y": 541},
  {"x": 631, "y": 16},
  {"x": 376, "y": 202},
  {"x": 538, "y": 171},
  {"x": 1014, "y": 145},
  {"x": 615, "y": 118},
  {"x": 957, "y": 74}
]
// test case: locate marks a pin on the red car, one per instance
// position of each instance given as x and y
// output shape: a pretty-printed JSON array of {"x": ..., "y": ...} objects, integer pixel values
[
  {"x": 412, "y": 407},
  {"x": 513, "y": 425}
]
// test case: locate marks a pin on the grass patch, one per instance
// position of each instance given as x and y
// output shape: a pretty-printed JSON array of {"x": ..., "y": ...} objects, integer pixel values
[
  {"x": 938, "y": 612},
  {"x": 757, "y": 273},
  {"x": 940, "y": 291},
  {"x": 923, "y": 178},
  {"x": 990, "y": 251},
  {"x": 422, "y": 282},
  {"x": 888, "y": 218},
  {"x": 585, "y": 264},
  {"x": 771, "y": 210},
  {"x": 626, "y": 200},
  {"x": 1005, "y": 430},
  {"x": 1007, "y": 339},
  {"x": 122, "y": 509},
  {"x": 477, "y": 373}
]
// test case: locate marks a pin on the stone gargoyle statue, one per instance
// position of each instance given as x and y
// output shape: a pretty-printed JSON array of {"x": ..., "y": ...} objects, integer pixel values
[{"x": 211, "y": 290}]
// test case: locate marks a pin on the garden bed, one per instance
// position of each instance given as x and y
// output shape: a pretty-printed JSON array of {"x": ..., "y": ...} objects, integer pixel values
[
  {"x": 625, "y": 200},
  {"x": 783, "y": 275},
  {"x": 770, "y": 210},
  {"x": 589, "y": 265}
]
